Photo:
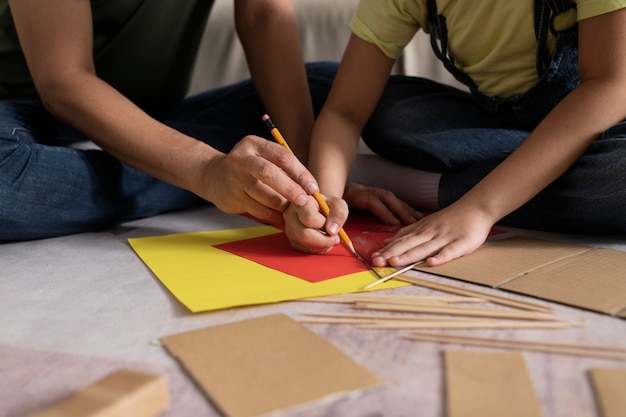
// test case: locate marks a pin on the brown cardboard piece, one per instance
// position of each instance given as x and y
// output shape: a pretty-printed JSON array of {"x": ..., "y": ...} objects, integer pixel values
[
  {"x": 488, "y": 384},
  {"x": 266, "y": 364},
  {"x": 609, "y": 386},
  {"x": 571, "y": 274},
  {"x": 121, "y": 394}
]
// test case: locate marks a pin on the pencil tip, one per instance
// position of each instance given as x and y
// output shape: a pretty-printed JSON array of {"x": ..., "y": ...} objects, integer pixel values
[{"x": 351, "y": 246}]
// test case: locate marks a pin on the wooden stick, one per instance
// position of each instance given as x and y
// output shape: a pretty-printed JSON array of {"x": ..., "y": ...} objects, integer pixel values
[
  {"x": 459, "y": 311},
  {"x": 396, "y": 299},
  {"x": 598, "y": 351},
  {"x": 334, "y": 320},
  {"x": 379, "y": 317},
  {"x": 388, "y": 321},
  {"x": 497, "y": 299},
  {"x": 392, "y": 275},
  {"x": 478, "y": 324},
  {"x": 390, "y": 324}
]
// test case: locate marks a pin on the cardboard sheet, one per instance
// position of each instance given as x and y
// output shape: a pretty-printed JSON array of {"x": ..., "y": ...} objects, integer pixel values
[
  {"x": 609, "y": 385},
  {"x": 486, "y": 384},
  {"x": 571, "y": 274},
  {"x": 203, "y": 277},
  {"x": 496, "y": 263},
  {"x": 123, "y": 393},
  {"x": 595, "y": 280},
  {"x": 267, "y": 364}
]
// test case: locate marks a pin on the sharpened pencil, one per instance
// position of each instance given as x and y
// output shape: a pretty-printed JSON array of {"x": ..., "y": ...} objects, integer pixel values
[{"x": 317, "y": 196}]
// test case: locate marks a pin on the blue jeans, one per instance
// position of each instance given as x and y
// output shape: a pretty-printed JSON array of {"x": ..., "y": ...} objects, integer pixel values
[
  {"x": 465, "y": 135},
  {"x": 49, "y": 189}
]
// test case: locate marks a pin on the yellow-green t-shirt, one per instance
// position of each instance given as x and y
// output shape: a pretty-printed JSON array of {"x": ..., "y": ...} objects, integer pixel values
[
  {"x": 144, "y": 48},
  {"x": 493, "y": 41}
]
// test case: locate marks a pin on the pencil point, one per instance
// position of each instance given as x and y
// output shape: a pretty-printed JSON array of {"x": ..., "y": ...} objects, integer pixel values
[{"x": 351, "y": 246}]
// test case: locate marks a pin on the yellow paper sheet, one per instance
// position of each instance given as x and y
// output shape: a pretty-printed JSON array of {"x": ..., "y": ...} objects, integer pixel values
[{"x": 205, "y": 278}]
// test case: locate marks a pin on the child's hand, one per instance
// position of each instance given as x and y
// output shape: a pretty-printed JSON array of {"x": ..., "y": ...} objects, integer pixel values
[
  {"x": 308, "y": 230},
  {"x": 382, "y": 203},
  {"x": 439, "y": 238}
]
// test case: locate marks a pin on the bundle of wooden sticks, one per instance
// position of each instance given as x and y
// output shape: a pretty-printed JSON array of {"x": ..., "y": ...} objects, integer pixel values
[{"x": 376, "y": 311}]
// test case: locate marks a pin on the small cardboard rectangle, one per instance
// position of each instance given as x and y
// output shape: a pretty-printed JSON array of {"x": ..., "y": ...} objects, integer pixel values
[
  {"x": 480, "y": 384},
  {"x": 588, "y": 280},
  {"x": 121, "y": 394},
  {"x": 262, "y": 365},
  {"x": 496, "y": 263},
  {"x": 609, "y": 385},
  {"x": 576, "y": 275}
]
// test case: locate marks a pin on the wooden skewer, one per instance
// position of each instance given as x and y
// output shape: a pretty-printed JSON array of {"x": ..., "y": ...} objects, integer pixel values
[
  {"x": 390, "y": 324},
  {"x": 497, "y": 299},
  {"x": 396, "y": 299},
  {"x": 392, "y": 275},
  {"x": 334, "y": 320},
  {"x": 438, "y": 324},
  {"x": 478, "y": 324},
  {"x": 379, "y": 317},
  {"x": 388, "y": 321},
  {"x": 598, "y": 351},
  {"x": 459, "y": 311}
]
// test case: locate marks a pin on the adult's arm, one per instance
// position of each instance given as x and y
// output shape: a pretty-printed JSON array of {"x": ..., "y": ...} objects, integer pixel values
[{"x": 258, "y": 177}]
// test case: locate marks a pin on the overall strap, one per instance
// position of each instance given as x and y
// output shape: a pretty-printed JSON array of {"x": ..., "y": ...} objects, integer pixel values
[
  {"x": 439, "y": 43},
  {"x": 545, "y": 11}
]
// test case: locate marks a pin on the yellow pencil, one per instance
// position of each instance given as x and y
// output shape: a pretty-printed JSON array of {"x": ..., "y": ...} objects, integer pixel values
[{"x": 317, "y": 196}]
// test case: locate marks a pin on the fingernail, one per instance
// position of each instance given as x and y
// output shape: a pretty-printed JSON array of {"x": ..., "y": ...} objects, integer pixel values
[
  {"x": 301, "y": 200},
  {"x": 311, "y": 187},
  {"x": 333, "y": 228},
  {"x": 378, "y": 261}
]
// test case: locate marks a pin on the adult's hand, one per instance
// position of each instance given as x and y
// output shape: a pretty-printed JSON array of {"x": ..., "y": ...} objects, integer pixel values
[
  {"x": 310, "y": 231},
  {"x": 258, "y": 177}
]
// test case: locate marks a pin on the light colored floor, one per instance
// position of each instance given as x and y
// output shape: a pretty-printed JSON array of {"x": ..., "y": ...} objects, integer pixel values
[{"x": 75, "y": 308}]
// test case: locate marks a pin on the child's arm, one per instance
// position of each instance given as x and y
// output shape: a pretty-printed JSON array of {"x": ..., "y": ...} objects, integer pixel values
[
  {"x": 269, "y": 34},
  {"x": 358, "y": 85},
  {"x": 359, "y": 82},
  {"x": 552, "y": 148}
]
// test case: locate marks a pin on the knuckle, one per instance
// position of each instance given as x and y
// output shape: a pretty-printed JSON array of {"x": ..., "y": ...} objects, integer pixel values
[
  {"x": 265, "y": 171},
  {"x": 277, "y": 203},
  {"x": 310, "y": 219},
  {"x": 243, "y": 144},
  {"x": 283, "y": 156}
]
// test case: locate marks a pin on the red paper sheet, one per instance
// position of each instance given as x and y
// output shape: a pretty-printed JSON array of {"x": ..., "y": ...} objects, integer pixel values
[{"x": 274, "y": 251}]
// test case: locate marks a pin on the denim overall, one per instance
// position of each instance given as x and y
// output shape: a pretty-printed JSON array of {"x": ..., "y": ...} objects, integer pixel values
[
  {"x": 465, "y": 134},
  {"x": 48, "y": 188}
]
